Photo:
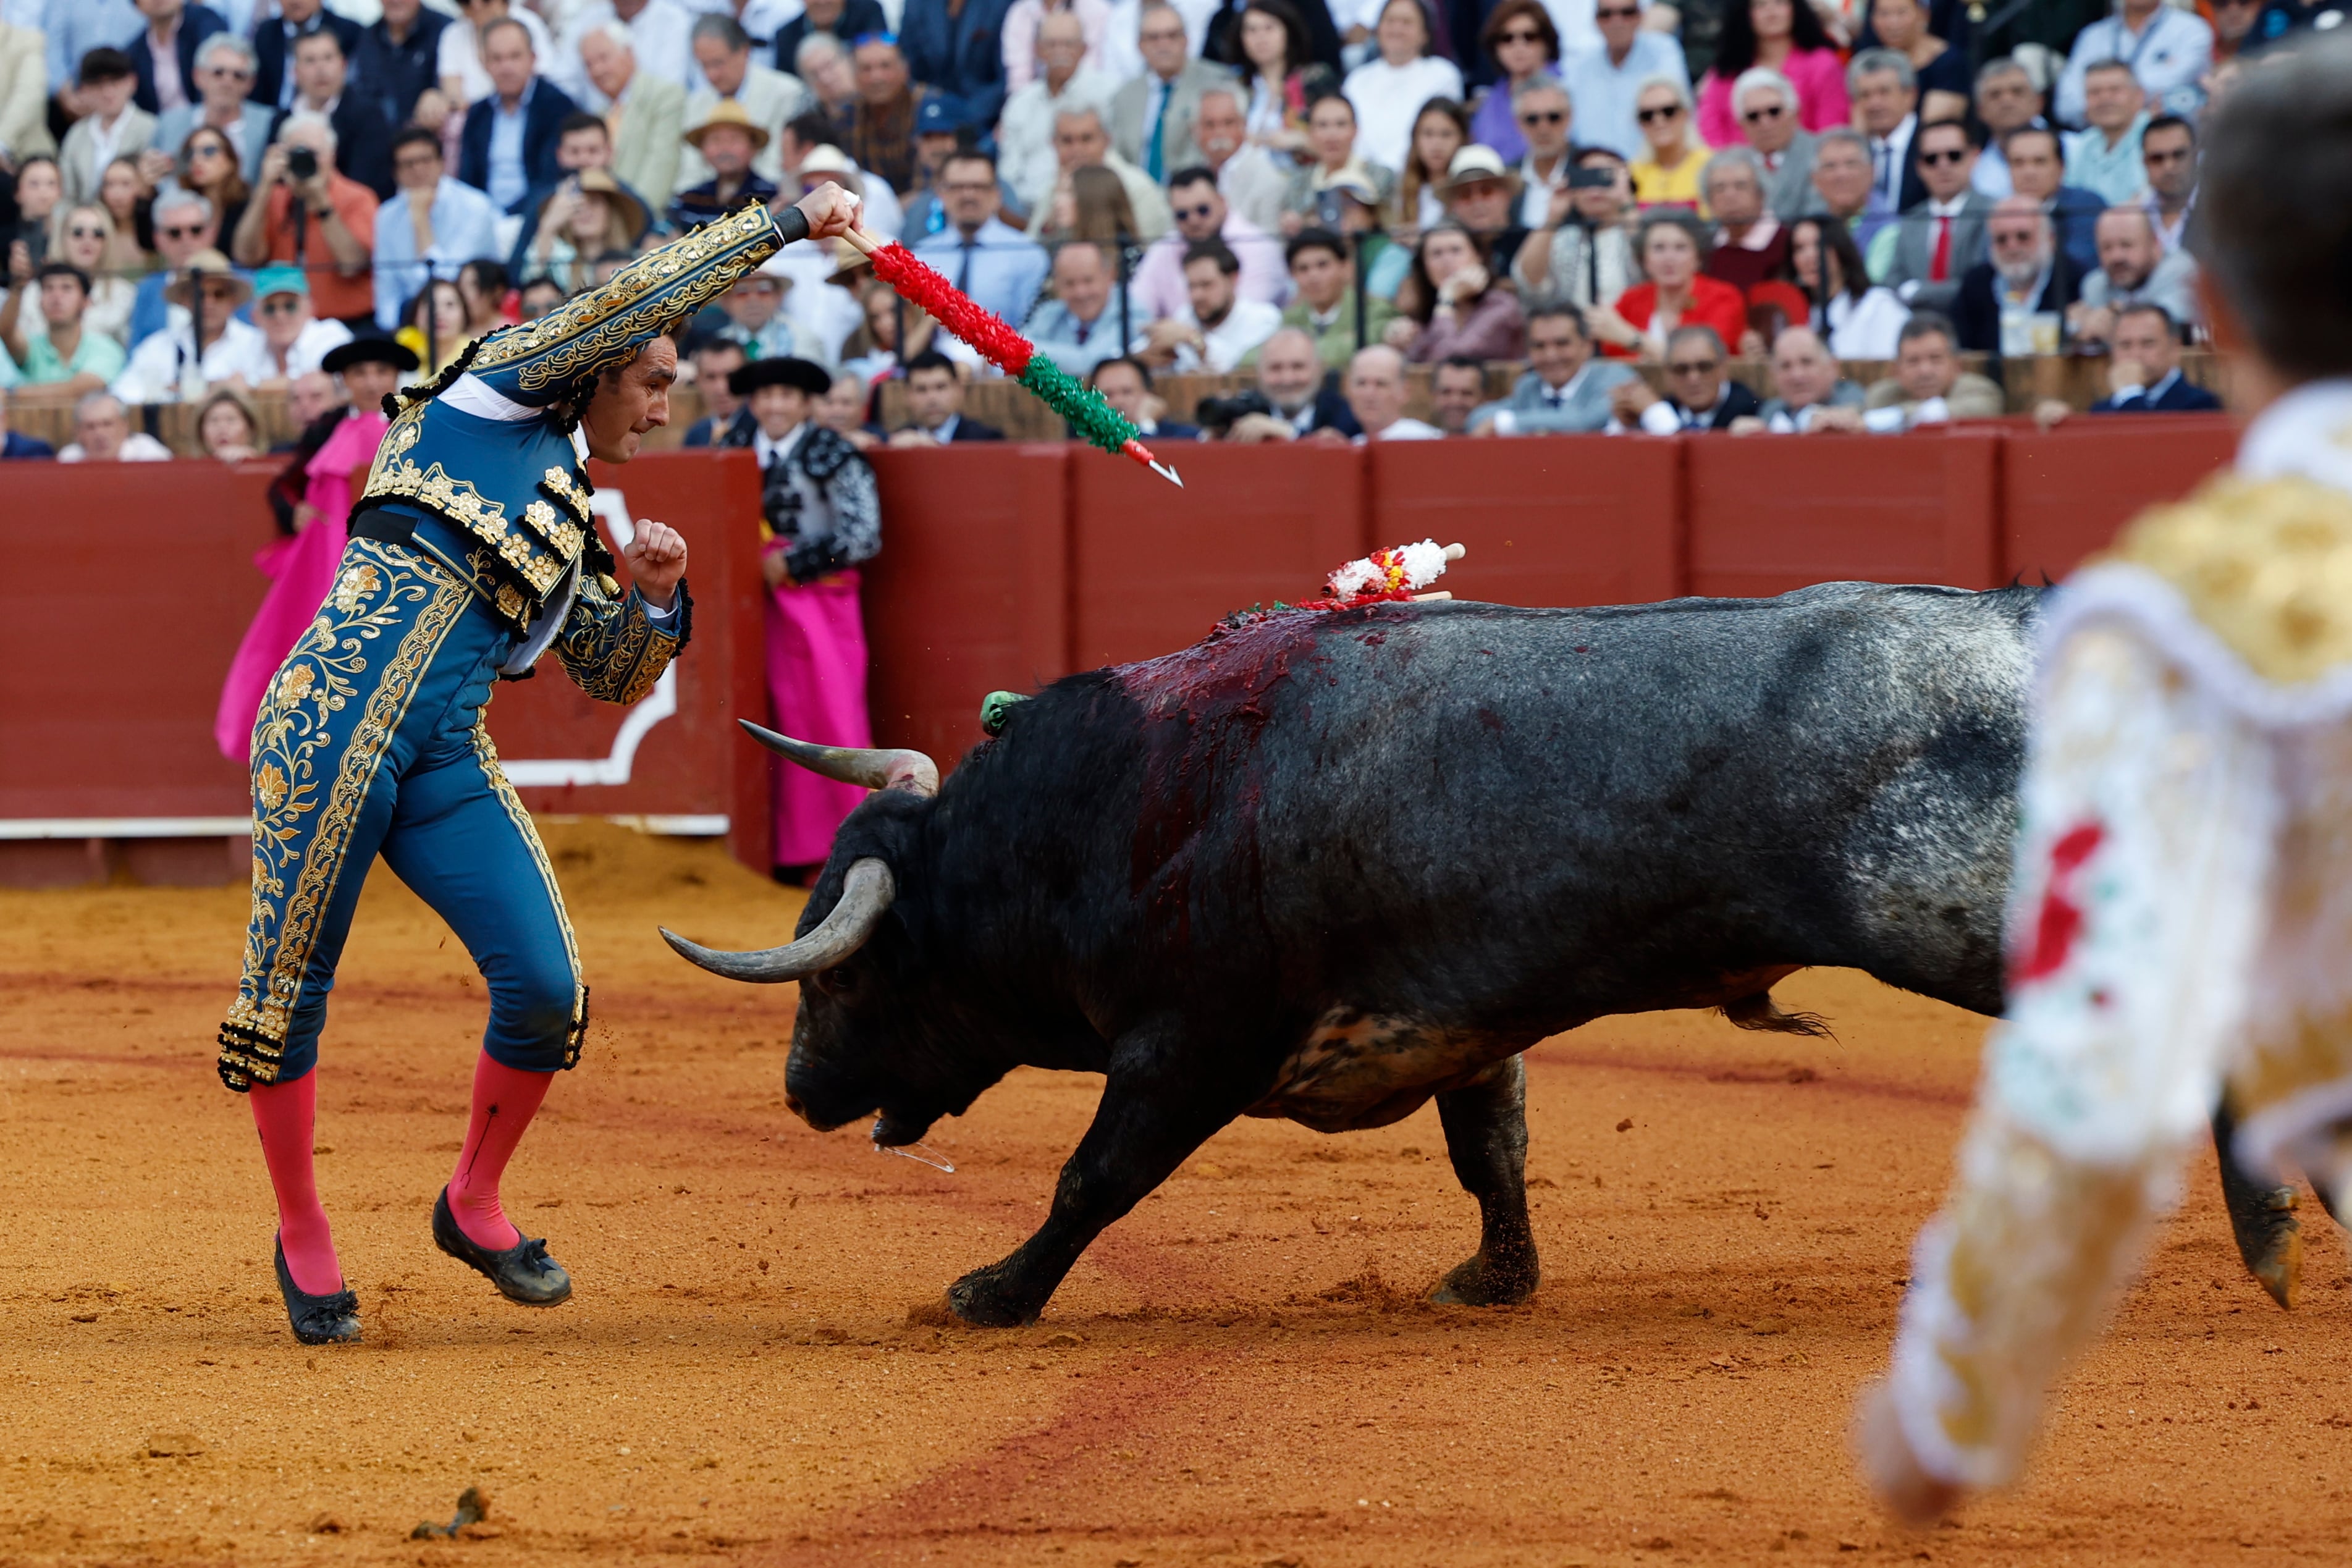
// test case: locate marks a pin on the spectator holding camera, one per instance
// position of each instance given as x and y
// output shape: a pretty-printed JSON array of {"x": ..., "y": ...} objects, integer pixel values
[
  {"x": 1582, "y": 254},
  {"x": 314, "y": 218},
  {"x": 1453, "y": 305}
]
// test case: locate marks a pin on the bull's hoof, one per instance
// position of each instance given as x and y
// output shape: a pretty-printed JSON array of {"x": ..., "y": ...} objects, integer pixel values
[
  {"x": 2269, "y": 1242},
  {"x": 981, "y": 1298},
  {"x": 1484, "y": 1282}
]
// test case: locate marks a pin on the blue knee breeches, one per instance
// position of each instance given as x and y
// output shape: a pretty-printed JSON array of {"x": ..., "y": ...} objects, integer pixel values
[{"x": 371, "y": 741}]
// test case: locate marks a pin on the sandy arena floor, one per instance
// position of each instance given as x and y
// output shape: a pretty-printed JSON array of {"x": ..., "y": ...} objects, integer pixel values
[{"x": 1241, "y": 1373}]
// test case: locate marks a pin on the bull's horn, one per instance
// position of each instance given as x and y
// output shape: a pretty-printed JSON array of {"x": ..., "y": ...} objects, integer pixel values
[
  {"x": 882, "y": 767},
  {"x": 866, "y": 893}
]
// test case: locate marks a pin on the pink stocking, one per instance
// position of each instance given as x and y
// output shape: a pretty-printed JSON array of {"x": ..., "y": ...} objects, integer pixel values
[
  {"x": 505, "y": 1099},
  {"x": 284, "y": 1114}
]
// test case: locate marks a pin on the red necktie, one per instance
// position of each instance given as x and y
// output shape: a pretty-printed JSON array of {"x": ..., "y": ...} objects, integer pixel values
[{"x": 1939, "y": 268}]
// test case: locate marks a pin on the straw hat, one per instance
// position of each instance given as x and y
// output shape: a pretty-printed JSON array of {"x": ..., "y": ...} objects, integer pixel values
[
  {"x": 601, "y": 183},
  {"x": 727, "y": 112},
  {"x": 204, "y": 264}
]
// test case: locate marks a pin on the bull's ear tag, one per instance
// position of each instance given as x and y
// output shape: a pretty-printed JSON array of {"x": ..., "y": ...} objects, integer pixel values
[{"x": 929, "y": 1156}]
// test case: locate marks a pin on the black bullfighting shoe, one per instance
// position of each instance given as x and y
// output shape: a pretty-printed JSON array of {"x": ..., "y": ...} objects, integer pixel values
[
  {"x": 523, "y": 1272},
  {"x": 328, "y": 1319}
]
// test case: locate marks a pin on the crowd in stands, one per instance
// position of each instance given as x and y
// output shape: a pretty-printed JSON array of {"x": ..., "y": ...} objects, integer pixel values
[{"x": 1339, "y": 200}]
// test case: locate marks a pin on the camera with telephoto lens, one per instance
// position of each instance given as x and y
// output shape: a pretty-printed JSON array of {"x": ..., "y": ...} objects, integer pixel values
[
  {"x": 1217, "y": 416},
  {"x": 302, "y": 162}
]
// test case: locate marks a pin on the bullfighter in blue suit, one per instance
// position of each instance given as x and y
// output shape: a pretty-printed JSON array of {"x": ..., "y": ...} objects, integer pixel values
[{"x": 472, "y": 552}]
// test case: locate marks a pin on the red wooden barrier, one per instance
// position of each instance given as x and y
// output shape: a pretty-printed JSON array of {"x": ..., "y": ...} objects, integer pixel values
[
  {"x": 1003, "y": 566},
  {"x": 970, "y": 592},
  {"x": 1153, "y": 568},
  {"x": 1768, "y": 515},
  {"x": 1573, "y": 520},
  {"x": 2065, "y": 492},
  {"x": 112, "y": 655}
]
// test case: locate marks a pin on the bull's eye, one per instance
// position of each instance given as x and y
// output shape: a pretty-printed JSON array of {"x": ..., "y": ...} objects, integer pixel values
[{"x": 839, "y": 983}]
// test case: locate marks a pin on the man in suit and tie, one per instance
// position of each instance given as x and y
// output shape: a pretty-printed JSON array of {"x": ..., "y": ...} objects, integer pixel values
[
  {"x": 1151, "y": 117},
  {"x": 935, "y": 405},
  {"x": 1885, "y": 91},
  {"x": 511, "y": 136},
  {"x": 274, "y": 41},
  {"x": 1567, "y": 387},
  {"x": 322, "y": 86},
  {"x": 164, "y": 52},
  {"x": 2144, "y": 376},
  {"x": 1767, "y": 104},
  {"x": 645, "y": 115},
  {"x": 2026, "y": 276},
  {"x": 1698, "y": 396},
  {"x": 223, "y": 70},
  {"x": 1936, "y": 241}
]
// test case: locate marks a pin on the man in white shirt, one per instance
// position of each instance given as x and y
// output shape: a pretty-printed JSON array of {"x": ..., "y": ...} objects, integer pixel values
[
  {"x": 2167, "y": 51},
  {"x": 659, "y": 33},
  {"x": 1247, "y": 175},
  {"x": 180, "y": 363},
  {"x": 1376, "y": 393},
  {"x": 1024, "y": 134},
  {"x": 1201, "y": 213},
  {"x": 294, "y": 341},
  {"x": 1544, "y": 112},
  {"x": 1217, "y": 327},
  {"x": 103, "y": 434},
  {"x": 1604, "y": 82}
]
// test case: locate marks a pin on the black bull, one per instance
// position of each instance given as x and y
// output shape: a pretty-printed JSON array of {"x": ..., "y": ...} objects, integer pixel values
[{"x": 1327, "y": 865}]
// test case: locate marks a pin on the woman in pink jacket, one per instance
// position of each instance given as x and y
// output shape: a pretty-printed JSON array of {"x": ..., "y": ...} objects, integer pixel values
[{"x": 1788, "y": 38}]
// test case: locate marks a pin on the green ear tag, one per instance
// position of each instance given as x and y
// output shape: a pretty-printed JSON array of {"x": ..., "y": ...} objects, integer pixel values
[{"x": 996, "y": 707}]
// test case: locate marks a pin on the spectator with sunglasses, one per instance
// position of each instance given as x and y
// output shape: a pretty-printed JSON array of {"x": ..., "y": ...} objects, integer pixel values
[
  {"x": 186, "y": 223},
  {"x": 1604, "y": 83},
  {"x": 1201, "y": 214},
  {"x": 1787, "y": 36},
  {"x": 1544, "y": 113},
  {"x": 223, "y": 74},
  {"x": 2168, "y": 152},
  {"x": 1924, "y": 255},
  {"x": 294, "y": 342},
  {"x": 1666, "y": 175},
  {"x": 87, "y": 239},
  {"x": 1768, "y": 104},
  {"x": 1698, "y": 394},
  {"x": 209, "y": 166},
  {"x": 1520, "y": 39}
]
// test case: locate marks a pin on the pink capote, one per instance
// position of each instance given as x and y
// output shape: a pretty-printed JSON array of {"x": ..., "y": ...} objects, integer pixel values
[
  {"x": 301, "y": 571},
  {"x": 816, "y": 678}
]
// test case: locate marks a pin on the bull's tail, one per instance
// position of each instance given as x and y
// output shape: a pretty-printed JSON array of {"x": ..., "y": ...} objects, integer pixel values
[{"x": 1758, "y": 1011}]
